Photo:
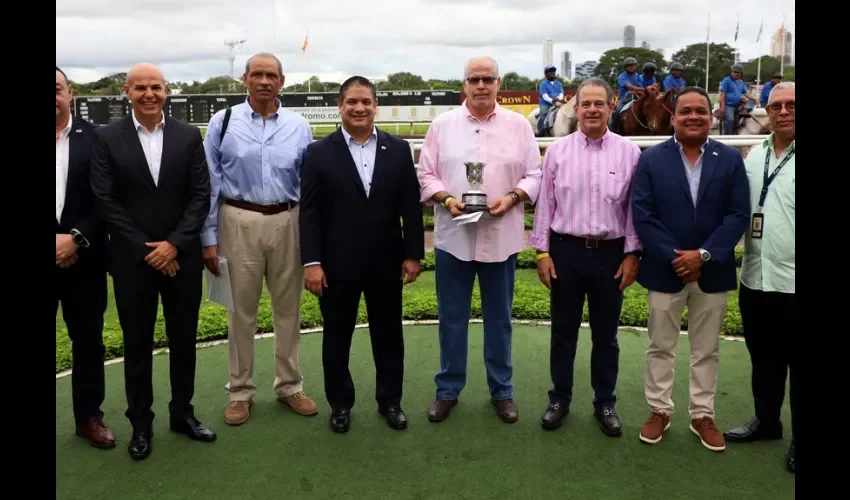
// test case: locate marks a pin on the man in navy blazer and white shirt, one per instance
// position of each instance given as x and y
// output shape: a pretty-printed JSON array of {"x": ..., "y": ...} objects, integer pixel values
[
  {"x": 80, "y": 266},
  {"x": 691, "y": 206}
]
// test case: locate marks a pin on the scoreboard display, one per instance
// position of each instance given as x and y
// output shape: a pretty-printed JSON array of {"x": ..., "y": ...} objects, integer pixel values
[{"x": 199, "y": 108}]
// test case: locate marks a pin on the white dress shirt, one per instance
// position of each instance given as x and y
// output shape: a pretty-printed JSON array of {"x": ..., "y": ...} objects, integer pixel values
[
  {"x": 62, "y": 152},
  {"x": 152, "y": 145}
]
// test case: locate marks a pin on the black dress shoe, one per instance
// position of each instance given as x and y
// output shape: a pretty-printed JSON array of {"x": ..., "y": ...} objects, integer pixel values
[
  {"x": 141, "y": 444},
  {"x": 395, "y": 416},
  {"x": 754, "y": 430},
  {"x": 608, "y": 420},
  {"x": 340, "y": 420},
  {"x": 791, "y": 460},
  {"x": 192, "y": 428},
  {"x": 554, "y": 416}
]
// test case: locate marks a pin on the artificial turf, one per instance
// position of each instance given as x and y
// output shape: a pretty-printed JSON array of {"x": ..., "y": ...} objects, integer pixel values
[{"x": 472, "y": 455}]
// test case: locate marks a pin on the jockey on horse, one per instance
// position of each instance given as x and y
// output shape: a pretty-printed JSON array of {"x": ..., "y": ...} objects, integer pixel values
[
  {"x": 551, "y": 98},
  {"x": 674, "y": 80},
  {"x": 732, "y": 91},
  {"x": 628, "y": 82}
]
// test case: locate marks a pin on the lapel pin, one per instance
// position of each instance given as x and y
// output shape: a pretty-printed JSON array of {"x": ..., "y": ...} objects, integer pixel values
[
  {"x": 79, "y": 130},
  {"x": 383, "y": 147},
  {"x": 714, "y": 153}
]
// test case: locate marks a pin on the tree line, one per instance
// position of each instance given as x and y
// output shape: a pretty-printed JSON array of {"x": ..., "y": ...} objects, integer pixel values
[{"x": 692, "y": 57}]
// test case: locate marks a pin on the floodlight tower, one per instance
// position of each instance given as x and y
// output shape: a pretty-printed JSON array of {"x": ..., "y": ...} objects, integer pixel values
[{"x": 233, "y": 46}]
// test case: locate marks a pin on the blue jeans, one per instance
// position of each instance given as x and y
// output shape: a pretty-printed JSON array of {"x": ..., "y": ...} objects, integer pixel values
[
  {"x": 454, "y": 279},
  {"x": 615, "y": 115},
  {"x": 729, "y": 117},
  {"x": 541, "y": 118}
]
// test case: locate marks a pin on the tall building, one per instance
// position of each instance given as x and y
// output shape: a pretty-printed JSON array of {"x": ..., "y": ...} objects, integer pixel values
[
  {"x": 629, "y": 36},
  {"x": 566, "y": 66},
  {"x": 548, "y": 52},
  {"x": 776, "y": 45},
  {"x": 585, "y": 69}
]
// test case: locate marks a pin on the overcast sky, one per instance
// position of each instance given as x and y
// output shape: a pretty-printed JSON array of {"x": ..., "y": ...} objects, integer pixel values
[{"x": 432, "y": 38}]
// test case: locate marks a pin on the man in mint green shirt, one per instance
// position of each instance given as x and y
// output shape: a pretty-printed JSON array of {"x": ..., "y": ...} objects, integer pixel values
[{"x": 767, "y": 298}]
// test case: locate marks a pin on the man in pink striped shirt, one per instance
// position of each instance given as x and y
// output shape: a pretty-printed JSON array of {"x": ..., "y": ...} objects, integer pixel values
[
  {"x": 479, "y": 130},
  {"x": 586, "y": 245}
]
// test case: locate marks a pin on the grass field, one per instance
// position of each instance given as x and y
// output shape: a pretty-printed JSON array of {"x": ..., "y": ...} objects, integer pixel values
[{"x": 472, "y": 455}]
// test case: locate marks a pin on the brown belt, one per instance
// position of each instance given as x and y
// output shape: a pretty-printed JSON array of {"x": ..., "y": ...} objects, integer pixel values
[
  {"x": 263, "y": 209},
  {"x": 590, "y": 242}
]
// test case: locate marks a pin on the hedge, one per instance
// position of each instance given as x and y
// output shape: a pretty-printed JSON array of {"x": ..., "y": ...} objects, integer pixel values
[
  {"x": 531, "y": 302},
  {"x": 428, "y": 221}
]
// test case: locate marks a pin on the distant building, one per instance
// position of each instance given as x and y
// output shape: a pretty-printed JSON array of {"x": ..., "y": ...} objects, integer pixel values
[
  {"x": 629, "y": 36},
  {"x": 780, "y": 38},
  {"x": 566, "y": 66},
  {"x": 585, "y": 69},
  {"x": 548, "y": 52},
  {"x": 645, "y": 45}
]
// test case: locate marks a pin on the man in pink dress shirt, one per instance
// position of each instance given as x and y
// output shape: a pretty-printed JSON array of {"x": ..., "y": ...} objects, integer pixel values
[
  {"x": 587, "y": 246},
  {"x": 479, "y": 130}
]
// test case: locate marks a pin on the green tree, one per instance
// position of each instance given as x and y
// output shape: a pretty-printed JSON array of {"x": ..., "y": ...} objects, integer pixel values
[
  {"x": 611, "y": 63},
  {"x": 769, "y": 66},
  {"x": 692, "y": 57}
]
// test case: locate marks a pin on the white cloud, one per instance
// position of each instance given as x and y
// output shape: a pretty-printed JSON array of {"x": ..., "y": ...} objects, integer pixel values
[{"x": 431, "y": 38}]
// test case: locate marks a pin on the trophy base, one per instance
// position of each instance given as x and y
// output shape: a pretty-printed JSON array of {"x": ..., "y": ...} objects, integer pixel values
[{"x": 474, "y": 202}]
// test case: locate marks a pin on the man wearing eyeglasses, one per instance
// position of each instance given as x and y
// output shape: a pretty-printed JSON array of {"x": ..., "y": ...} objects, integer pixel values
[
  {"x": 478, "y": 131},
  {"x": 767, "y": 297}
]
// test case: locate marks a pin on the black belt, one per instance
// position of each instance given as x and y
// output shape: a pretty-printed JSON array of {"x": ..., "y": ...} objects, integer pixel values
[
  {"x": 263, "y": 209},
  {"x": 591, "y": 242}
]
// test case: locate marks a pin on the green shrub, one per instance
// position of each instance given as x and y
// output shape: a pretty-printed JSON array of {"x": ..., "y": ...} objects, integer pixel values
[{"x": 531, "y": 302}]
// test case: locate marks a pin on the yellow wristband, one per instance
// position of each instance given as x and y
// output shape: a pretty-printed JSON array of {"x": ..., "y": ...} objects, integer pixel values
[
  {"x": 447, "y": 200},
  {"x": 542, "y": 256}
]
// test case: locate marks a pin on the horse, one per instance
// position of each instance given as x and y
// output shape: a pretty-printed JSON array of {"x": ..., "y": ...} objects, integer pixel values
[
  {"x": 757, "y": 123},
  {"x": 632, "y": 117},
  {"x": 660, "y": 114},
  {"x": 565, "y": 120}
]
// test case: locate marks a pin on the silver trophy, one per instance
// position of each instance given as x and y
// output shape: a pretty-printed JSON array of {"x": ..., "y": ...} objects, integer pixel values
[{"x": 474, "y": 200}]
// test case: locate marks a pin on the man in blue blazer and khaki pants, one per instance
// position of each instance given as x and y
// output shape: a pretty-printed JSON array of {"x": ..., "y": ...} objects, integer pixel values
[{"x": 691, "y": 206}]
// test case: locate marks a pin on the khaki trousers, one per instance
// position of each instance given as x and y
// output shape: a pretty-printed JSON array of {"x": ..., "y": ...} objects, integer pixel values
[
  {"x": 706, "y": 312},
  {"x": 259, "y": 246}
]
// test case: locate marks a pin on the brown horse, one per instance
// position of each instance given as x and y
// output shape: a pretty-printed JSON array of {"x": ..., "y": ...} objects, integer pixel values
[
  {"x": 633, "y": 120},
  {"x": 659, "y": 113}
]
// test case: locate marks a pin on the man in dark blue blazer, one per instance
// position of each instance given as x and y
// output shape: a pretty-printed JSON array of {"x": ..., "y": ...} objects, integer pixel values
[
  {"x": 691, "y": 206},
  {"x": 80, "y": 266},
  {"x": 361, "y": 234}
]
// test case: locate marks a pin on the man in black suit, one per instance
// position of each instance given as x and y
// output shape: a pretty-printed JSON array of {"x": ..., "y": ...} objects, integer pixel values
[
  {"x": 80, "y": 266},
  {"x": 152, "y": 188},
  {"x": 357, "y": 184}
]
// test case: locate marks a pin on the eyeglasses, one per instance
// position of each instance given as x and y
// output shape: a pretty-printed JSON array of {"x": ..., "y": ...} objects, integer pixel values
[
  {"x": 776, "y": 107},
  {"x": 488, "y": 80}
]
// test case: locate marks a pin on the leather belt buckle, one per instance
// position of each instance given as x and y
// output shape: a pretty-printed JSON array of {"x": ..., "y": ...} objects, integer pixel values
[{"x": 589, "y": 243}]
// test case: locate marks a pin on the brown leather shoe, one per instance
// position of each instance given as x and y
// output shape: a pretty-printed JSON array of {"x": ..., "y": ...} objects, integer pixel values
[
  {"x": 237, "y": 412},
  {"x": 97, "y": 433},
  {"x": 440, "y": 409},
  {"x": 708, "y": 434},
  {"x": 300, "y": 403},
  {"x": 653, "y": 430},
  {"x": 507, "y": 410}
]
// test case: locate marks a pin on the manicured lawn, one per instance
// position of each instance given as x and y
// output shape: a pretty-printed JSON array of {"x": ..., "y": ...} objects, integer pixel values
[{"x": 472, "y": 455}]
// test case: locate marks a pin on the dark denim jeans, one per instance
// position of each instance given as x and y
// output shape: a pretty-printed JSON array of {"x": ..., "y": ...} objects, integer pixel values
[{"x": 454, "y": 280}]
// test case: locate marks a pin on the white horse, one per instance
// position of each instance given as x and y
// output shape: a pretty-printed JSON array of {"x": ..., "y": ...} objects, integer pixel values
[
  {"x": 755, "y": 124},
  {"x": 566, "y": 121}
]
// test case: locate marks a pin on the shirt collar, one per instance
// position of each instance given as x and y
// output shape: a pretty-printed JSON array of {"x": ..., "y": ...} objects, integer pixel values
[
  {"x": 586, "y": 141},
  {"x": 701, "y": 148},
  {"x": 496, "y": 111},
  {"x": 348, "y": 137},
  {"x": 249, "y": 111},
  {"x": 768, "y": 143},
  {"x": 137, "y": 124},
  {"x": 67, "y": 129}
]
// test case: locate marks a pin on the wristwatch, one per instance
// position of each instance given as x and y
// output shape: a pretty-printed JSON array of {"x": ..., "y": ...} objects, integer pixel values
[
  {"x": 78, "y": 238},
  {"x": 704, "y": 255}
]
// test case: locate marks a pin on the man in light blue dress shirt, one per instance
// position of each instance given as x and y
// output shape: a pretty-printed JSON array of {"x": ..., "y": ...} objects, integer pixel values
[{"x": 254, "y": 154}]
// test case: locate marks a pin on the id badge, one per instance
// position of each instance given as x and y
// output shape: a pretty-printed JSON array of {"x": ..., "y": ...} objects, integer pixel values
[{"x": 758, "y": 226}]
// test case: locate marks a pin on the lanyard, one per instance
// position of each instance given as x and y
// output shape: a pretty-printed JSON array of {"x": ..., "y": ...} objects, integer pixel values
[{"x": 768, "y": 180}]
